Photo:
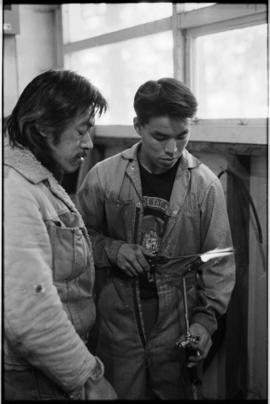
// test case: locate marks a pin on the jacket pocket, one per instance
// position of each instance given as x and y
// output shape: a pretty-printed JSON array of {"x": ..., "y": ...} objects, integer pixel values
[
  {"x": 69, "y": 250},
  {"x": 121, "y": 217}
]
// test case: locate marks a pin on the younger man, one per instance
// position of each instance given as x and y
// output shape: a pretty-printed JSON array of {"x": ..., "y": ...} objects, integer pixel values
[{"x": 156, "y": 198}]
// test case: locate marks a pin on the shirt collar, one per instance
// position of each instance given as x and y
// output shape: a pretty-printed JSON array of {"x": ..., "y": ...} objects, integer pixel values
[{"x": 187, "y": 159}]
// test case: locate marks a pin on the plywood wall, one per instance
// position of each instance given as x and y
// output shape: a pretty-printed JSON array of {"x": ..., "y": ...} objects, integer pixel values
[{"x": 28, "y": 53}]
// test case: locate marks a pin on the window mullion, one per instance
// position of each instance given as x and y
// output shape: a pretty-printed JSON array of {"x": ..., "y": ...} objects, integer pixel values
[
  {"x": 235, "y": 23},
  {"x": 221, "y": 12},
  {"x": 59, "y": 38},
  {"x": 178, "y": 46},
  {"x": 136, "y": 31}
]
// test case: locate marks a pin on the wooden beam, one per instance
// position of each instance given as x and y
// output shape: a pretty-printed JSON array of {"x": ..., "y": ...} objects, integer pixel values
[
  {"x": 218, "y": 13},
  {"x": 247, "y": 131},
  {"x": 178, "y": 47},
  {"x": 235, "y": 23},
  {"x": 194, "y": 147},
  {"x": 233, "y": 131},
  {"x": 237, "y": 313},
  {"x": 141, "y": 30},
  {"x": 227, "y": 148}
]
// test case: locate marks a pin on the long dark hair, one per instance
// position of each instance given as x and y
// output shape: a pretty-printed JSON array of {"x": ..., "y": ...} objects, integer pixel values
[{"x": 47, "y": 105}]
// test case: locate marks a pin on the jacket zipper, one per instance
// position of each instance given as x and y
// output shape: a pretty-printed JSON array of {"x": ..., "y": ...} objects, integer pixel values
[
  {"x": 135, "y": 282},
  {"x": 136, "y": 224},
  {"x": 137, "y": 312}
]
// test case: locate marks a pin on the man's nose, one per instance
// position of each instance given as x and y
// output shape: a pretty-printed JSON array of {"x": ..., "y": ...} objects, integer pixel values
[
  {"x": 171, "y": 147},
  {"x": 87, "y": 142}
]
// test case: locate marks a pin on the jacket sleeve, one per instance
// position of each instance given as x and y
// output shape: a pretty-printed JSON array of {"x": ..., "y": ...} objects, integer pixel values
[
  {"x": 91, "y": 204},
  {"x": 217, "y": 276},
  {"x": 37, "y": 327}
]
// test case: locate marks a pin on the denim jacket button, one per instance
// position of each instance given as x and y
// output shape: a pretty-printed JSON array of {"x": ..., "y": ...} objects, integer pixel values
[
  {"x": 148, "y": 360},
  {"x": 76, "y": 394}
]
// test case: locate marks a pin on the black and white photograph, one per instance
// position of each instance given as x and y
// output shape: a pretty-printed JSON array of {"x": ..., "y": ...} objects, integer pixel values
[{"x": 135, "y": 189}]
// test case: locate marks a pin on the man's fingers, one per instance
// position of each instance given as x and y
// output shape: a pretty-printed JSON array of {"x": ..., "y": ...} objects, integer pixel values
[
  {"x": 129, "y": 269},
  {"x": 132, "y": 260},
  {"x": 142, "y": 261},
  {"x": 137, "y": 266},
  {"x": 195, "y": 357},
  {"x": 137, "y": 260},
  {"x": 200, "y": 352},
  {"x": 130, "y": 266}
]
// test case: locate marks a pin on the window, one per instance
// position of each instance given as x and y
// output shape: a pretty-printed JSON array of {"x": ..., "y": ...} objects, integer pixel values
[
  {"x": 119, "y": 69},
  {"x": 219, "y": 50},
  {"x": 81, "y": 21},
  {"x": 193, "y": 6},
  {"x": 240, "y": 90}
]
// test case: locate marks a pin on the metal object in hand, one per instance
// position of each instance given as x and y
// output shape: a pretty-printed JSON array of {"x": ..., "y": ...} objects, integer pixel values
[
  {"x": 153, "y": 261},
  {"x": 187, "y": 340}
]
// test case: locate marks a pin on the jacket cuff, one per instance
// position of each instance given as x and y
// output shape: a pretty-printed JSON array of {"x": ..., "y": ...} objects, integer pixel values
[
  {"x": 96, "y": 373},
  {"x": 206, "y": 322},
  {"x": 112, "y": 250}
]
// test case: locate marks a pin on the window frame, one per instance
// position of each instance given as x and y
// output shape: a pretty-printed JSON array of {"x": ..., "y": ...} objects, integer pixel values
[{"x": 186, "y": 26}]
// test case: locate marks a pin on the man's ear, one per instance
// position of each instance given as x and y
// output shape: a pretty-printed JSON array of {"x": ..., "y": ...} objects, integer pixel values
[
  {"x": 137, "y": 125},
  {"x": 43, "y": 134}
]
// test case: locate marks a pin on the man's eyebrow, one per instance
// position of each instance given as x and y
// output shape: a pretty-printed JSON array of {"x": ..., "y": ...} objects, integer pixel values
[
  {"x": 87, "y": 123},
  {"x": 164, "y": 134},
  {"x": 185, "y": 132}
]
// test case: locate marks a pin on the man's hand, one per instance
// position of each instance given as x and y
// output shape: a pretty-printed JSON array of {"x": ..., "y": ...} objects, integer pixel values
[
  {"x": 131, "y": 259},
  {"x": 202, "y": 347},
  {"x": 99, "y": 390}
]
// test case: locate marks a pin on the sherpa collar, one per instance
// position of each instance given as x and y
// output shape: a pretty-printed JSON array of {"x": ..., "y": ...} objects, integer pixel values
[{"x": 23, "y": 161}]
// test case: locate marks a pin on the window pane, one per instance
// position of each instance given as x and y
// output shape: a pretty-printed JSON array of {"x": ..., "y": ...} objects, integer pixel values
[
  {"x": 231, "y": 74},
  {"x": 119, "y": 69},
  {"x": 85, "y": 20},
  {"x": 192, "y": 6}
]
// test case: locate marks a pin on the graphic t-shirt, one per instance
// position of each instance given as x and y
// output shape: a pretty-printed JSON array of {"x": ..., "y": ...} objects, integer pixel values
[{"x": 156, "y": 190}]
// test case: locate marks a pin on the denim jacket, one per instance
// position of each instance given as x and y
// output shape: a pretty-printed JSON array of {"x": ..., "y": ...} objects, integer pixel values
[
  {"x": 48, "y": 275},
  {"x": 110, "y": 200}
]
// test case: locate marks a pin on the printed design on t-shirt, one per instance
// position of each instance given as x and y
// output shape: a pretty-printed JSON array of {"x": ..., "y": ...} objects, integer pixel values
[{"x": 154, "y": 222}]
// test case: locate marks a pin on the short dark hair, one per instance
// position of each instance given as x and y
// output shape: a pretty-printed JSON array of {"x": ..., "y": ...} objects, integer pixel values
[
  {"x": 164, "y": 97},
  {"x": 49, "y": 103}
]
